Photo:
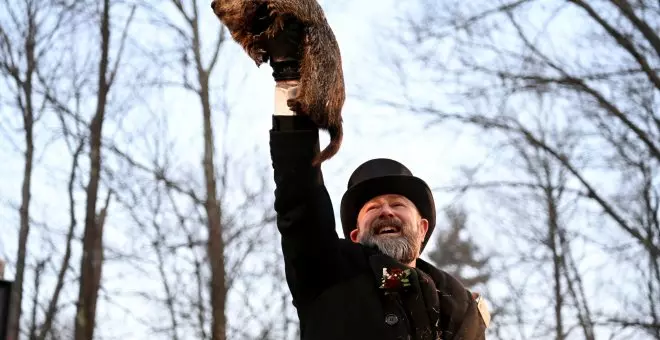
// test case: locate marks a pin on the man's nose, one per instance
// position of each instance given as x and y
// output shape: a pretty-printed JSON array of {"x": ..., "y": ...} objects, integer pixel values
[
  {"x": 213, "y": 4},
  {"x": 386, "y": 210}
]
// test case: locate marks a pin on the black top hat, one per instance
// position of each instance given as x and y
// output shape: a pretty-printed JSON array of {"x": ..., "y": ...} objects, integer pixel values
[{"x": 385, "y": 176}]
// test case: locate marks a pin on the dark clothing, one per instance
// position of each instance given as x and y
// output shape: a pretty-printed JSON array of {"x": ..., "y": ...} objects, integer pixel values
[{"x": 335, "y": 283}]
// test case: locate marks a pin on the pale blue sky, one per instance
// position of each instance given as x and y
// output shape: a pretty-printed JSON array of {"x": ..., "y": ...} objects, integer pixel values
[{"x": 436, "y": 155}]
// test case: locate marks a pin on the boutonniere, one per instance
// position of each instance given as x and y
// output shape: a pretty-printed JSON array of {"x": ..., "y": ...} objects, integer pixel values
[{"x": 395, "y": 278}]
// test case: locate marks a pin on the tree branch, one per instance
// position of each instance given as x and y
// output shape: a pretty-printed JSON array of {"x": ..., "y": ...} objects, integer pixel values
[
  {"x": 649, "y": 33},
  {"x": 622, "y": 41}
]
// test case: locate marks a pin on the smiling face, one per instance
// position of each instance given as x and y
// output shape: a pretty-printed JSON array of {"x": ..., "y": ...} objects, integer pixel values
[{"x": 393, "y": 224}]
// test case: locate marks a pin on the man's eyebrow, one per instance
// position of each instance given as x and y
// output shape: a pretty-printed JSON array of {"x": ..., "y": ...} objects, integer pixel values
[{"x": 368, "y": 204}]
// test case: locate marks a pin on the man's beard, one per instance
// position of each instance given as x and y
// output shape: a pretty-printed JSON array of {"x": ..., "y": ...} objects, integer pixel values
[{"x": 403, "y": 248}]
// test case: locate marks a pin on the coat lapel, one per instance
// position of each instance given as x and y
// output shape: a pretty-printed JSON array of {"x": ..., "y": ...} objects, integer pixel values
[
  {"x": 431, "y": 304},
  {"x": 420, "y": 299}
]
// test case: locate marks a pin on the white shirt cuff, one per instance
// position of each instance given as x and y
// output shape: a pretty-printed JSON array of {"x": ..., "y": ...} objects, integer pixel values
[{"x": 282, "y": 94}]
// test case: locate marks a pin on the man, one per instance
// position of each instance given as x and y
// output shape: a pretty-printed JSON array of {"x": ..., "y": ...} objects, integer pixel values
[{"x": 370, "y": 284}]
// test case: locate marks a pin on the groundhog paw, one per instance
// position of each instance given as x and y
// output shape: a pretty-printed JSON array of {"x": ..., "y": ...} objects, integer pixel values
[
  {"x": 257, "y": 54},
  {"x": 295, "y": 105}
]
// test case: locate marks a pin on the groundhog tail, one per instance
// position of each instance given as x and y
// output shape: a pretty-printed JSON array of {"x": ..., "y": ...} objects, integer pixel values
[{"x": 336, "y": 136}]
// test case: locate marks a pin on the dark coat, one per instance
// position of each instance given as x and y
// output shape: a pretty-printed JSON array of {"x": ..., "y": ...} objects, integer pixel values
[{"x": 335, "y": 283}]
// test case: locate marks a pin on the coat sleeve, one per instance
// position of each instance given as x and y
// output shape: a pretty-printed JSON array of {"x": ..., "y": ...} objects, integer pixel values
[
  {"x": 473, "y": 324},
  {"x": 464, "y": 315},
  {"x": 305, "y": 217}
]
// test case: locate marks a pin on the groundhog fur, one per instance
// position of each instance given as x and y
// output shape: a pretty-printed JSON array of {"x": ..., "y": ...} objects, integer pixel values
[{"x": 321, "y": 91}]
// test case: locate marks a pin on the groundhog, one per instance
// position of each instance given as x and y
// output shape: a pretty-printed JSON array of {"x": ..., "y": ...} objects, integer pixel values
[{"x": 321, "y": 91}]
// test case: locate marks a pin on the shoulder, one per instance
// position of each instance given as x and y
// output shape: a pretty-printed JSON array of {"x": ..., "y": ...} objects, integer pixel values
[
  {"x": 465, "y": 308},
  {"x": 444, "y": 281}
]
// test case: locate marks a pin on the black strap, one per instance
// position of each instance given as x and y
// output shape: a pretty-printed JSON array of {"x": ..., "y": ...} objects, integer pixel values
[{"x": 286, "y": 69}]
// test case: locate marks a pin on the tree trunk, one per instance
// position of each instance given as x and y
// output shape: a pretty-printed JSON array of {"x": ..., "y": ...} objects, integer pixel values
[
  {"x": 38, "y": 271},
  {"x": 17, "y": 291},
  {"x": 216, "y": 245},
  {"x": 92, "y": 257},
  {"x": 553, "y": 229},
  {"x": 24, "y": 211}
]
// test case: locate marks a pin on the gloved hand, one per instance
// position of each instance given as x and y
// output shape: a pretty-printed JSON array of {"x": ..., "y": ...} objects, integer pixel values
[{"x": 285, "y": 51}]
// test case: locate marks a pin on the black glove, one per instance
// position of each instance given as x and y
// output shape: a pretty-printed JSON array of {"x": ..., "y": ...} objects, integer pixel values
[{"x": 285, "y": 51}]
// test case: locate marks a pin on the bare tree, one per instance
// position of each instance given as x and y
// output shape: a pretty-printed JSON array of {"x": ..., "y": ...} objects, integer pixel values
[
  {"x": 25, "y": 38},
  {"x": 92, "y": 258},
  {"x": 190, "y": 33},
  {"x": 550, "y": 181}
]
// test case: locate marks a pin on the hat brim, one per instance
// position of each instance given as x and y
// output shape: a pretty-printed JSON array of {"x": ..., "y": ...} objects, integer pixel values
[{"x": 413, "y": 188}]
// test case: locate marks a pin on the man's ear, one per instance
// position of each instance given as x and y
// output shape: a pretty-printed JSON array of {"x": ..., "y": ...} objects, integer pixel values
[
  {"x": 354, "y": 235},
  {"x": 424, "y": 226}
]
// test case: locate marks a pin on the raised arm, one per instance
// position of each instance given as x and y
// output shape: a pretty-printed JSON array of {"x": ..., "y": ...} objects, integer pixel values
[{"x": 305, "y": 216}]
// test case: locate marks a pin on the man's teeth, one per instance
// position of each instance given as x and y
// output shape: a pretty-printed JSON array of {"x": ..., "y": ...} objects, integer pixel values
[{"x": 388, "y": 230}]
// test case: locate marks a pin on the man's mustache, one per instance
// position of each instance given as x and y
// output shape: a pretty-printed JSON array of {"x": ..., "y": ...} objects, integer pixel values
[{"x": 386, "y": 222}]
